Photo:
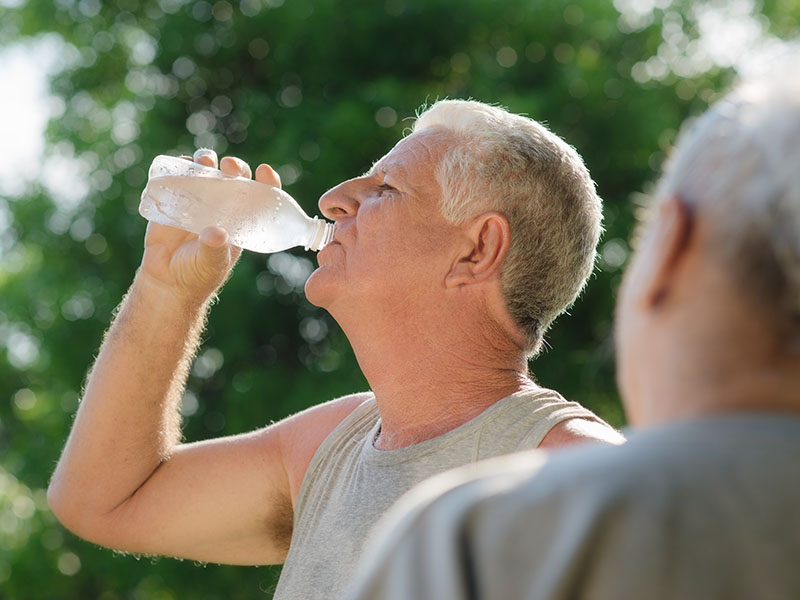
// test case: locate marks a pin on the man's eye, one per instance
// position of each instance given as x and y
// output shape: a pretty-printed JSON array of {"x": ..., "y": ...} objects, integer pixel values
[{"x": 384, "y": 189}]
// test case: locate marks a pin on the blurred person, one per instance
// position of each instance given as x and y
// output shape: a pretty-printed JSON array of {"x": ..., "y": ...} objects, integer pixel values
[
  {"x": 704, "y": 499},
  {"x": 451, "y": 258}
]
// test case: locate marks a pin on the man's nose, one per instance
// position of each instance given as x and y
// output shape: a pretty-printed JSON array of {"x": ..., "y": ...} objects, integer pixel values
[{"x": 341, "y": 201}]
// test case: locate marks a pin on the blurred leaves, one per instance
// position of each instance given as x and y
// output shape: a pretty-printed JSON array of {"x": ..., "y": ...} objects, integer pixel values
[{"x": 319, "y": 89}]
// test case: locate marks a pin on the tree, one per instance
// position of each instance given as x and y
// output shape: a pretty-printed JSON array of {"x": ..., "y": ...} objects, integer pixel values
[{"x": 319, "y": 89}]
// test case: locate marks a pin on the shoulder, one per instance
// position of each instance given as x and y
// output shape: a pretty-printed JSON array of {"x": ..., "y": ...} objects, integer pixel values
[
  {"x": 524, "y": 486},
  {"x": 538, "y": 515},
  {"x": 302, "y": 434},
  {"x": 331, "y": 412},
  {"x": 545, "y": 419},
  {"x": 581, "y": 430}
]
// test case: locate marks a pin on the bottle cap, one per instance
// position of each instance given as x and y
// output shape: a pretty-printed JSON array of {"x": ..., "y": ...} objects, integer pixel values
[{"x": 322, "y": 235}]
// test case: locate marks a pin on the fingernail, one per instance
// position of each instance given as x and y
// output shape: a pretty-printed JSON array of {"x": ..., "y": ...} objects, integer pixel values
[
  {"x": 242, "y": 166},
  {"x": 201, "y": 152},
  {"x": 268, "y": 171}
]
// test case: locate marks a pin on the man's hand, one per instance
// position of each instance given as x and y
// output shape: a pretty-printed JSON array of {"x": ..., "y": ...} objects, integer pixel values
[{"x": 195, "y": 266}]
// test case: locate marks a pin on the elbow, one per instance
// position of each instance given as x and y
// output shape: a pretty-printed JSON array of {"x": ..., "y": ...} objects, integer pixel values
[
  {"x": 78, "y": 511},
  {"x": 64, "y": 510},
  {"x": 72, "y": 511},
  {"x": 55, "y": 498}
]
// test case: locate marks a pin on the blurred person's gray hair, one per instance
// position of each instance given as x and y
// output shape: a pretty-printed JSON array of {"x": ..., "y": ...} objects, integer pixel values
[
  {"x": 739, "y": 163},
  {"x": 515, "y": 165}
]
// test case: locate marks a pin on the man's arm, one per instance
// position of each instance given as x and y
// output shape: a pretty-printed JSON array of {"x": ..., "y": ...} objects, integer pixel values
[{"x": 124, "y": 480}]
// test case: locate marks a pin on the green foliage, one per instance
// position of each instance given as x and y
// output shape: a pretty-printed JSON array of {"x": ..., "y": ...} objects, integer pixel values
[{"x": 319, "y": 89}]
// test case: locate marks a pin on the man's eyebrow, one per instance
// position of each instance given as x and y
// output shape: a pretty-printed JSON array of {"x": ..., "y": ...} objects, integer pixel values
[{"x": 374, "y": 169}]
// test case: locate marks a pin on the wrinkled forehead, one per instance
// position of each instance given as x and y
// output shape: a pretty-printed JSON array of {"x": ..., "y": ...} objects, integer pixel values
[{"x": 420, "y": 151}]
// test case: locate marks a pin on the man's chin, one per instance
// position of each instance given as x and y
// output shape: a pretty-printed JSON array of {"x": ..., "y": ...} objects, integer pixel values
[{"x": 315, "y": 290}]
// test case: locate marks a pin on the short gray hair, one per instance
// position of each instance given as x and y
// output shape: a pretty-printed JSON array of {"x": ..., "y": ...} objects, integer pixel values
[
  {"x": 740, "y": 164},
  {"x": 514, "y": 165}
]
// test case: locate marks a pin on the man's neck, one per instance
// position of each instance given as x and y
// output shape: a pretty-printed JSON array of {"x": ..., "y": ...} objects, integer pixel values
[
  {"x": 428, "y": 384},
  {"x": 419, "y": 413},
  {"x": 697, "y": 389},
  {"x": 705, "y": 351}
]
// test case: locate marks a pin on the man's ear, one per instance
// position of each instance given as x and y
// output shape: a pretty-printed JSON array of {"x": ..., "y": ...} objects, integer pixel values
[
  {"x": 486, "y": 244},
  {"x": 670, "y": 240}
]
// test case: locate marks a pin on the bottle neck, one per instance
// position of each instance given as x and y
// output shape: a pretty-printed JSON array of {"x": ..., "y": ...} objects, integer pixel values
[{"x": 321, "y": 234}]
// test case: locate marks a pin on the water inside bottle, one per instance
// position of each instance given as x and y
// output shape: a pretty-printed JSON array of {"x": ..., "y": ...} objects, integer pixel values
[{"x": 255, "y": 215}]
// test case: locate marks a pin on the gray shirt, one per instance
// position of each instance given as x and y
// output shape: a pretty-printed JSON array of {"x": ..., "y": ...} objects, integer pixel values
[
  {"x": 702, "y": 510},
  {"x": 350, "y": 484}
]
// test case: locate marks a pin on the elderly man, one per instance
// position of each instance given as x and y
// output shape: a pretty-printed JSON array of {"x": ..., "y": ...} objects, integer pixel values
[
  {"x": 704, "y": 499},
  {"x": 451, "y": 257}
]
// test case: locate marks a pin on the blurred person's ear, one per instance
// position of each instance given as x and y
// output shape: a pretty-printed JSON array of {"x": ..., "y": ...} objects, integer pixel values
[{"x": 668, "y": 244}]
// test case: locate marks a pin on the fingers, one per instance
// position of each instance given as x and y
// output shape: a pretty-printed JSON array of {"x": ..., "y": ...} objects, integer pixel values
[
  {"x": 268, "y": 175},
  {"x": 206, "y": 157},
  {"x": 230, "y": 165},
  {"x": 235, "y": 167}
]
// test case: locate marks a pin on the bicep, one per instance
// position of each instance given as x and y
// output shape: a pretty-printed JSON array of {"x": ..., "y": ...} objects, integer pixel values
[{"x": 224, "y": 500}]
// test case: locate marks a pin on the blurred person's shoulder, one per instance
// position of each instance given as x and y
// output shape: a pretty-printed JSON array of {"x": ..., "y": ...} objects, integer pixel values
[{"x": 653, "y": 465}]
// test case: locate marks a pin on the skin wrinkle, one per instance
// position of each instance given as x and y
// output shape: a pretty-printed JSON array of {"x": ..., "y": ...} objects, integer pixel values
[
  {"x": 471, "y": 359},
  {"x": 452, "y": 412},
  {"x": 491, "y": 335}
]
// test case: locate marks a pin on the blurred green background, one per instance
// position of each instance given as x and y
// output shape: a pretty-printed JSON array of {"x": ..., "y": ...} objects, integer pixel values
[{"x": 319, "y": 89}]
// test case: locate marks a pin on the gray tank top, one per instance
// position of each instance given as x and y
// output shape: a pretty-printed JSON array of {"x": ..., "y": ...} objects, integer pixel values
[{"x": 349, "y": 483}]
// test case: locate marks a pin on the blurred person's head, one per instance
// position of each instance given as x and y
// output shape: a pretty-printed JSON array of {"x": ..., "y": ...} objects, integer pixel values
[
  {"x": 493, "y": 193},
  {"x": 712, "y": 298}
]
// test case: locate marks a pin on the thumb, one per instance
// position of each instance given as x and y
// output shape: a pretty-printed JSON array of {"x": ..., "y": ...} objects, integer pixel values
[{"x": 215, "y": 252}]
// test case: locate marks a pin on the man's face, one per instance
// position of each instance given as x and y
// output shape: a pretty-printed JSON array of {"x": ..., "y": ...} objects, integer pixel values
[{"x": 391, "y": 242}]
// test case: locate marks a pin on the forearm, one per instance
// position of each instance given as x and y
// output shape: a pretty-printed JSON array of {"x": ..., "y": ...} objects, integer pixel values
[{"x": 128, "y": 420}]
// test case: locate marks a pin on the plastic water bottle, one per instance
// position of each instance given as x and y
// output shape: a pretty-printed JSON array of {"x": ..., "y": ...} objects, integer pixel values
[{"x": 257, "y": 216}]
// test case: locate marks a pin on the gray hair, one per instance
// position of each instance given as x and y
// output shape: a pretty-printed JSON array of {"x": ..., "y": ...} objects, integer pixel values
[
  {"x": 740, "y": 164},
  {"x": 514, "y": 165}
]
